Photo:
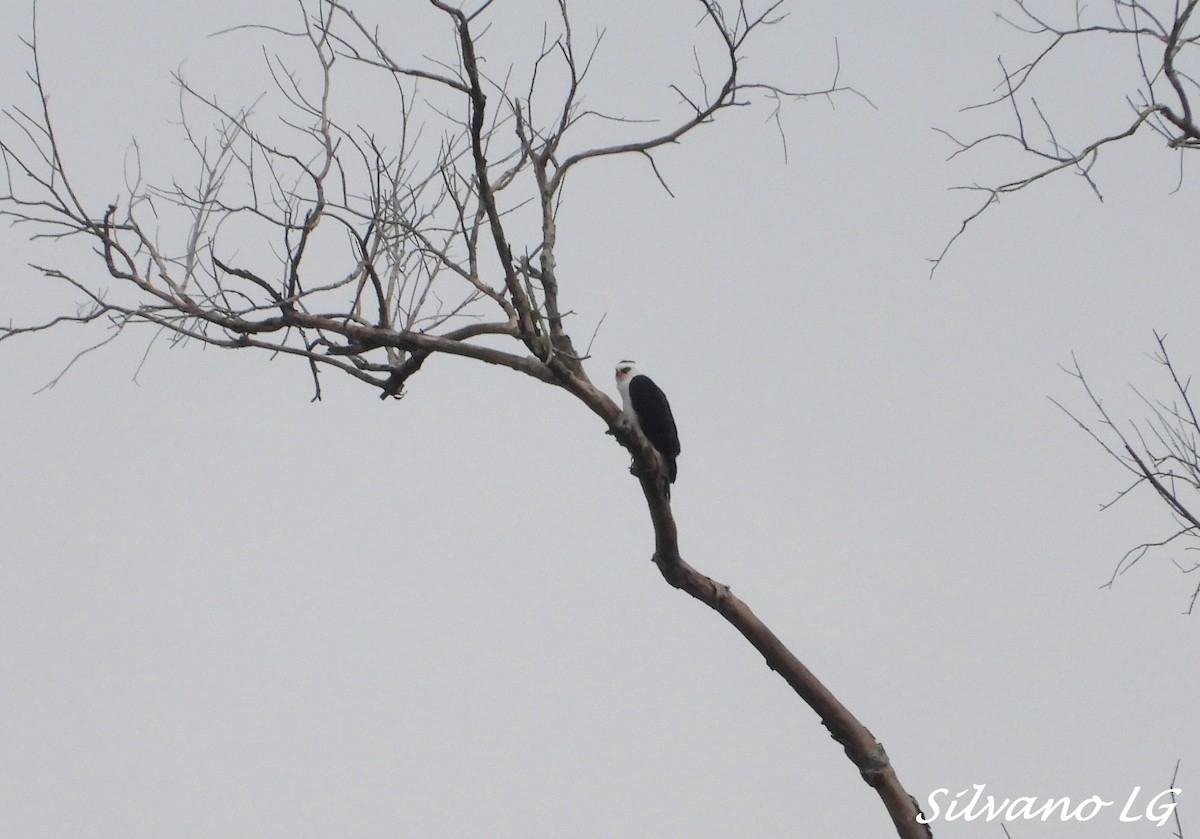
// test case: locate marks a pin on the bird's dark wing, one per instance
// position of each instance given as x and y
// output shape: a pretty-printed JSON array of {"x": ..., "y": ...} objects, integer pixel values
[{"x": 655, "y": 418}]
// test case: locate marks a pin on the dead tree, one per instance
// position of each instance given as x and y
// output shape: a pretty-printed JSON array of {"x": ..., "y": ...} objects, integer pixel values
[
  {"x": 1154, "y": 42},
  {"x": 309, "y": 235}
]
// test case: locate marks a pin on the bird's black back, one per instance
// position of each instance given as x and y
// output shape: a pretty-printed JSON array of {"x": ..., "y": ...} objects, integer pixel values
[{"x": 656, "y": 420}]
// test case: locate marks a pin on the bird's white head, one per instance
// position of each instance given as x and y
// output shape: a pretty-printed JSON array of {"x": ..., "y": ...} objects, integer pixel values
[{"x": 626, "y": 370}]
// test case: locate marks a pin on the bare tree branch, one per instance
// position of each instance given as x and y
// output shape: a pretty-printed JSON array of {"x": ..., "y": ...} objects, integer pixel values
[
  {"x": 1162, "y": 451},
  {"x": 1159, "y": 41}
]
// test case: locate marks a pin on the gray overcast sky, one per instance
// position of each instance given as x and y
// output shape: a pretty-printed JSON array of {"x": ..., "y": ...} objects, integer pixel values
[{"x": 228, "y": 612}]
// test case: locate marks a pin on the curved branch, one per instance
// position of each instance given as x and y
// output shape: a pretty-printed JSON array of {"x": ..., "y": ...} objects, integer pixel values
[{"x": 703, "y": 113}]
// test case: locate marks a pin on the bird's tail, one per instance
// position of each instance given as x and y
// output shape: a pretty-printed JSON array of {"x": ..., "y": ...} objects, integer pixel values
[{"x": 667, "y": 472}]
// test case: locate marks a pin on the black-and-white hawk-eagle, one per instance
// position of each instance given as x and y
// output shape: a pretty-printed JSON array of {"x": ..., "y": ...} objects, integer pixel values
[{"x": 647, "y": 409}]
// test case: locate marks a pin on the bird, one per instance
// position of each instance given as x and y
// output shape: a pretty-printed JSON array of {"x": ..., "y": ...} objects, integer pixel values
[{"x": 646, "y": 408}]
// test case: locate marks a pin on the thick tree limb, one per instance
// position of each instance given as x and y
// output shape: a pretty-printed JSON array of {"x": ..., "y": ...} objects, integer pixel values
[{"x": 860, "y": 745}]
